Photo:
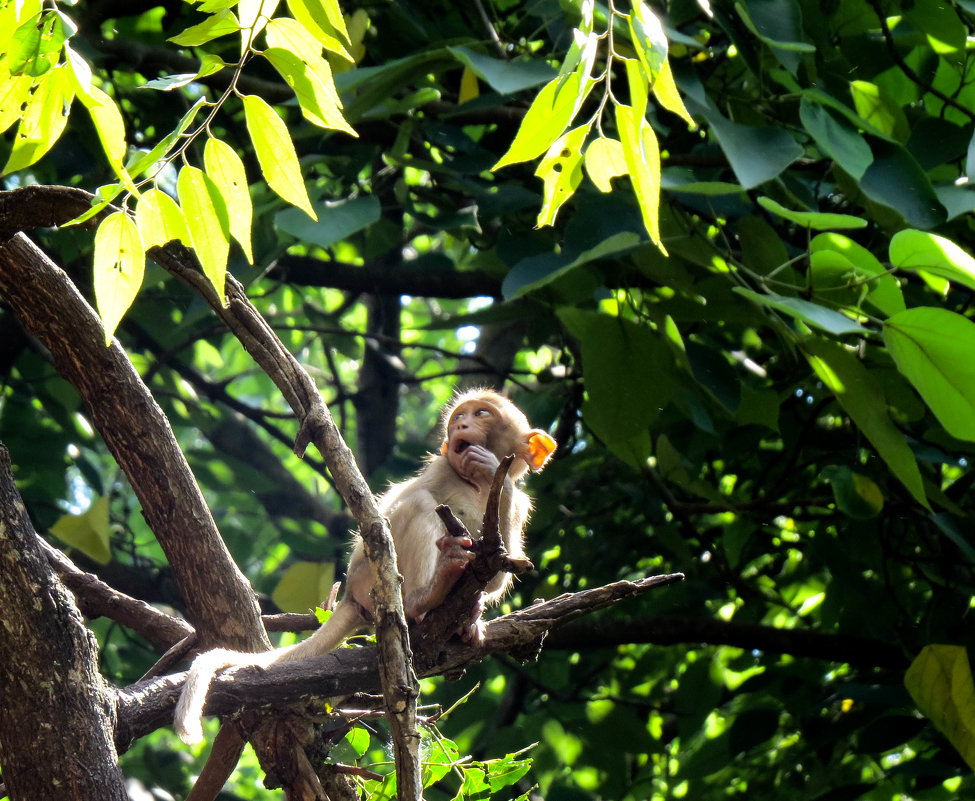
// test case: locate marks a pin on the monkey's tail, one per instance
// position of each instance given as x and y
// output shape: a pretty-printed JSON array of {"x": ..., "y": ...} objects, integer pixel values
[
  {"x": 346, "y": 618},
  {"x": 189, "y": 710}
]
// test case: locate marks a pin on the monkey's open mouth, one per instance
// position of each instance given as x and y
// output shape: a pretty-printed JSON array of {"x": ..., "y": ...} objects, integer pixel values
[{"x": 461, "y": 446}]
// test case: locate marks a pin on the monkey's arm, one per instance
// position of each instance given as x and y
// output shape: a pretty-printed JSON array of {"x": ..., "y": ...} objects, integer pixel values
[{"x": 430, "y": 560}]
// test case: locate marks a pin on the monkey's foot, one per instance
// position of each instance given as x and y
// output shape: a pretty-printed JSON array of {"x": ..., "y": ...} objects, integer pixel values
[{"x": 472, "y": 630}]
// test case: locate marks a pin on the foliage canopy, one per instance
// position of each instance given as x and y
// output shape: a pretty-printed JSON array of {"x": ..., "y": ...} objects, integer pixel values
[{"x": 723, "y": 252}]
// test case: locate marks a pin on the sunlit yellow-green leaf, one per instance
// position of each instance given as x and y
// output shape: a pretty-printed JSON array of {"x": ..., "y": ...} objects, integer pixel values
[
  {"x": 561, "y": 171},
  {"x": 226, "y": 169},
  {"x": 303, "y": 586},
  {"x": 546, "y": 119},
  {"x": 649, "y": 40},
  {"x": 642, "y": 156},
  {"x": 220, "y": 24},
  {"x": 940, "y": 682},
  {"x": 14, "y": 91},
  {"x": 254, "y": 15},
  {"x": 108, "y": 123},
  {"x": 323, "y": 19},
  {"x": 313, "y": 86},
  {"x": 639, "y": 86},
  {"x": 469, "y": 89},
  {"x": 605, "y": 161},
  {"x": 276, "y": 153},
  {"x": 160, "y": 220},
  {"x": 118, "y": 269},
  {"x": 43, "y": 121},
  {"x": 89, "y": 532},
  {"x": 11, "y": 17},
  {"x": 208, "y": 223},
  {"x": 665, "y": 90}
]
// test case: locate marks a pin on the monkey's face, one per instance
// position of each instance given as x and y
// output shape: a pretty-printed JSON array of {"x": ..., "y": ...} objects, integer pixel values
[{"x": 473, "y": 422}]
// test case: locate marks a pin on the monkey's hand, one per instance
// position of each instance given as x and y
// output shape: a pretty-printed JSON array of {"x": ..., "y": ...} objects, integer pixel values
[{"x": 477, "y": 464}]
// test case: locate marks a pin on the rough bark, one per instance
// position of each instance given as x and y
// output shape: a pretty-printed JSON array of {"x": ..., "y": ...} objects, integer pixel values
[{"x": 56, "y": 718}]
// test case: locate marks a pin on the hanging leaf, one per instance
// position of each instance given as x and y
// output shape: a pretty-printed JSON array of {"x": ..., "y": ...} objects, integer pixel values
[
  {"x": 119, "y": 266},
  {"x": 14, "y": 92},
  {"x": 547, "y": 117},
  {"x": 276, "y": 153},
  {"x": 313, "y": 86},
  {"x": 860, "y": 397},
  {"x": 324, "y": 20},
  {"x": 561, "y": 171},
  {"x": 254, "y": 15},
  {"x": 223, "y": 23},
  {"x": 160, "y": 220},
  {"x": 812, "y": 314},
  {"x": 642, "y": 156},
  {"x": 303, "y": 586},
  {"x": 43, "y": 121},
  {"x": 604, "y": 161},
  {"x": 931, "y": 254},
  {"x": 90, "y": 532},
  {"x": 226, "y": 169},
  {"x": 933, "y": 348},
  {"x": 940, "y": 682},
  {"x": 208, "y": 222},
  {"x": 815, "y": 220},
  {"x": 856, "y": 496}
]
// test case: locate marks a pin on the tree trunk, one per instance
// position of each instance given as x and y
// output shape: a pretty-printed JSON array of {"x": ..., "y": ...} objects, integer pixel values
[{"x": 56, "y": 718}]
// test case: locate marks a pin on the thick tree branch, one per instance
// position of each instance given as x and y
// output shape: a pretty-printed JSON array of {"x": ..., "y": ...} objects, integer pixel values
[
  {"x": 48, "y": 674},
  {"x": 96, "y": 599},
  {"x": 137, "y": 433}
]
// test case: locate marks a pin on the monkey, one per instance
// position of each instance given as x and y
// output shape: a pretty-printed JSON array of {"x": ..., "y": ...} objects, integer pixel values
[{"x": 480, "y": 427}]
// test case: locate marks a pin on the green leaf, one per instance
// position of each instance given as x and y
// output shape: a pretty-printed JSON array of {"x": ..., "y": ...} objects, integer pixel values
[
  {"x": 642, "y": 156},
  {"x": 144, "y": 161},
  {"x": 879, "y": 109},
  {"x": 778, "y": 23},
  {"x": 605, "y": 161},
  {"x": 303, "y": 586},
  {"x": 841, "y": 142},
  {"x": 336, "y": 220},
  {"x": 940, "y": 682},
  {"x": 897, "y": 181},
  {"x": 119, "y": 265},
  {"x": 561, "y": 171},
  {"x": 226, "y": 169},
  {"x": 43, "y": 121},
  {"x": 922, "y": 252},
  {"x": 885, "y": 293},
  {"x": 812, "y": 314},
  {"x": 276, "y": 153},
  {"x": 756, "y": 154},
  {"x": 621, "y": 414},
  {"x": 223, "y": 23},
  {"x": 933, "y": 348},
  {"x": 534, "y": 272},
  {"x": 90, "y": 532},
  {"x": 505, "y": 77},
  {"x": 547, "y": 117},
  {"x": 860, "y": 397},
  {"x": 208, "y": 222},
  {"x": 160, "y": 220},
  {"x": 856, "y": 496},
  {"x": 816, "y": 220}
]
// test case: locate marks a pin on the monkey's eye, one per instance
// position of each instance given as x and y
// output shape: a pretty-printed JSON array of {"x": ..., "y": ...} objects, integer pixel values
[{"x": 482, "y": 412}]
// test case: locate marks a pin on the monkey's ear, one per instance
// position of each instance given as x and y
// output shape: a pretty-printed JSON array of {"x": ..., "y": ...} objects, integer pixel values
[
  {"x": 540, "y": 447},
  {"x": 443, "y": 448}
]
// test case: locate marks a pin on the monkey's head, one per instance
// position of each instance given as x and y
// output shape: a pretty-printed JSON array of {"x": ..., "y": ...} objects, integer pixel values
[{"x": 490, "y": 420}]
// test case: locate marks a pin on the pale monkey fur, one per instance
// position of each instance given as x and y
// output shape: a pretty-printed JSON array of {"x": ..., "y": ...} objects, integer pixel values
[{"x": 480, "y": 428}]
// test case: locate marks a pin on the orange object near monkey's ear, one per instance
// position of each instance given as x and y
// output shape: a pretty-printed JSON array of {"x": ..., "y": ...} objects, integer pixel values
[
  {"x": 443, "y": 448},
  {"x": 540, "y": 447}
]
